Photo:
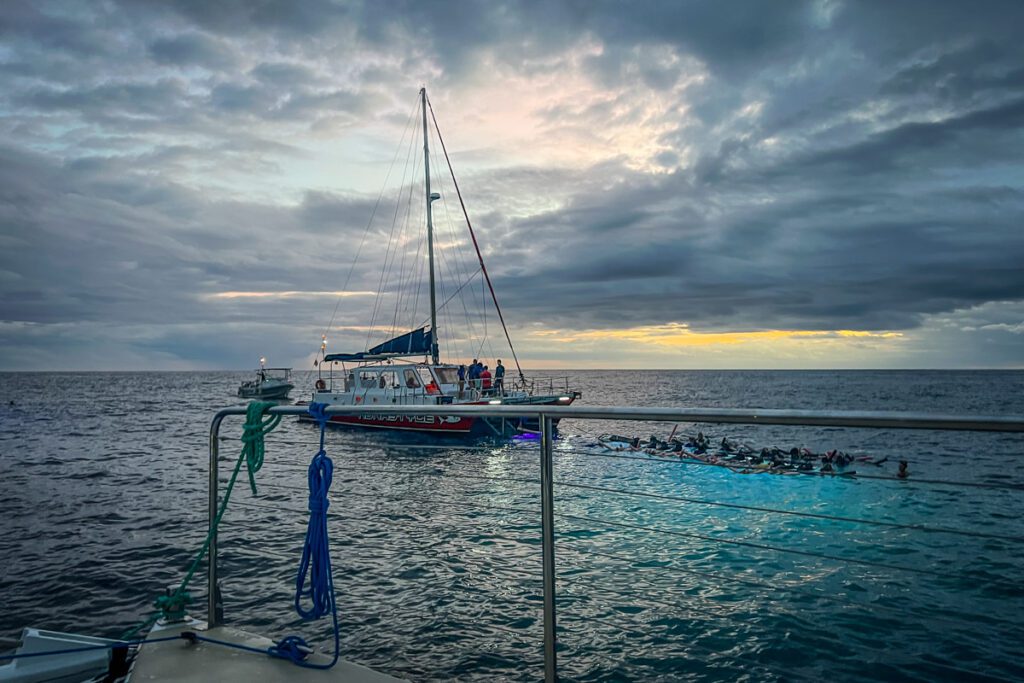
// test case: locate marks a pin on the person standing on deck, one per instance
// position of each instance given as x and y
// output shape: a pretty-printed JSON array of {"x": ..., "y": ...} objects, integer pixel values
[
  {"x": 499, "y": 379},
  {"x": 474, "y": 375},
  {"x": 485, "y": 380},
  {"x": 462, "y": 379}
]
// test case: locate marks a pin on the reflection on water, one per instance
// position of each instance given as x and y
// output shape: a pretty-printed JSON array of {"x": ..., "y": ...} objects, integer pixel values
[{"x": 436, "y": 550}]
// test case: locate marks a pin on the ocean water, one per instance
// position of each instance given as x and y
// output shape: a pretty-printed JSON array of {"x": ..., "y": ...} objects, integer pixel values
[{"x": 436, "y": 550}]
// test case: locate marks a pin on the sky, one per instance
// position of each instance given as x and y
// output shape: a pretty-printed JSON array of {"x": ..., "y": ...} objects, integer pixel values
[{"x": 827, "y": 184}]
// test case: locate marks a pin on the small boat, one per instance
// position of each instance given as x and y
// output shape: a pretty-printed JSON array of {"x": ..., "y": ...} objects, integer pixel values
[
  {"x": 389, "y": 373},
  {"x": 270, "y": 383}
]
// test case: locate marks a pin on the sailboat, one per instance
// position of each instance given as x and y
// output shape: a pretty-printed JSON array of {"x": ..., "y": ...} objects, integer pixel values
[{"x": 407, "y": 369}]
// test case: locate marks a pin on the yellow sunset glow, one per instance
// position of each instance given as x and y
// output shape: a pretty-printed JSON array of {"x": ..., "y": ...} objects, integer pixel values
[{"x": 678, "y": 335}]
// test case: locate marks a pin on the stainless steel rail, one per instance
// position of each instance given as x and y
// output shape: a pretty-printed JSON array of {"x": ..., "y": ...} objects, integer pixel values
[{"x": 547, "y": 414}]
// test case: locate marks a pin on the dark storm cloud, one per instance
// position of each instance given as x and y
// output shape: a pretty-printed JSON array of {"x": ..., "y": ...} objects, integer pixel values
[
  {"x": 193, "y": 49},
  {"x": 817, "y": 165}
]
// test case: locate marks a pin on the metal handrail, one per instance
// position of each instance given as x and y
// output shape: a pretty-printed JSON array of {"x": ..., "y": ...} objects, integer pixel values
[{"x": 547, "y": 414}]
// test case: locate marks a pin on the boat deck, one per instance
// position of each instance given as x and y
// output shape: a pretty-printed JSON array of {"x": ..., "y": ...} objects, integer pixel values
[{"x": 178, "y": 660}]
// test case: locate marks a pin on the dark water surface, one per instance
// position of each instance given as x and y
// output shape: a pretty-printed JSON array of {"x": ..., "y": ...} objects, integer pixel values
[{"x": 103, "y": 485}]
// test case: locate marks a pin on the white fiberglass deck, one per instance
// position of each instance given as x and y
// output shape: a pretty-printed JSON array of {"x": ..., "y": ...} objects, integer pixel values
[{"x": 178, "y": 660}]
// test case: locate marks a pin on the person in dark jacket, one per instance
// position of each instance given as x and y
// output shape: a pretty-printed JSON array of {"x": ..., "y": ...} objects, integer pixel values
[{"x": 499, "y": 379}]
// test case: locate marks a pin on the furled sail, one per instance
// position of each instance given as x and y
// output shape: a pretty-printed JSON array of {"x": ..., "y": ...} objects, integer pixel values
[{"x": 409, "y": 344}]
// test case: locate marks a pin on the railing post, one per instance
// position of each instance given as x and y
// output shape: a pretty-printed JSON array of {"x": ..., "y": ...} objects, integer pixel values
[
  {"x": 547, "y": 513},
  {"x": 213, "y": 617}
]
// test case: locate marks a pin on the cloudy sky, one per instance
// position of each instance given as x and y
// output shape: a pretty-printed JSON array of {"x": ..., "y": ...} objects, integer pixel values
[{"x": 189, "y": 184}]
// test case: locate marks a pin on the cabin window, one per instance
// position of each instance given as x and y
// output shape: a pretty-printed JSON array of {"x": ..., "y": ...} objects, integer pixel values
[
  {"x": 412, "y": 380},
  {"x": 368, "y": 380},
  {"x": 447, "y": 375},
  {"x": 387, "y": 380}
]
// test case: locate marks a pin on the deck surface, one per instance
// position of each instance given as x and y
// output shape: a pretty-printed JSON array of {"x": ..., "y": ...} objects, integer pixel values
[{"x": 179, "y": 661}]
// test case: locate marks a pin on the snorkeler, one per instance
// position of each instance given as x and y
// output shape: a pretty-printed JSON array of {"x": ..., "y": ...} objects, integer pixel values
[{"x": 903, "y": 473}]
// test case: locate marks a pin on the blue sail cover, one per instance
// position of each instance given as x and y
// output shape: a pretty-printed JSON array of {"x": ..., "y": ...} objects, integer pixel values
[{"x": 409, "y": 344}]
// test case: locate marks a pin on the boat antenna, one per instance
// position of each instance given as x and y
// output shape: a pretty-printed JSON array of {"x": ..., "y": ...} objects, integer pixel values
[
  {"x": 472, "y": 234},
  {"x": 430, "y": 228}
]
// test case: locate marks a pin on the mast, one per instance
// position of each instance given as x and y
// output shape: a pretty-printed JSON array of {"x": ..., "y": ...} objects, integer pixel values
[{"x": 430, "y": 230}]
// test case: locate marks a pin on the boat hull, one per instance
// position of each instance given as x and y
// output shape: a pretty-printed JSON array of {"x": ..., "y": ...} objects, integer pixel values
[
  {"x": 272, "y": 392},
  {"x": 453, "y": 425},
  {"x": 436, "y": 424}
]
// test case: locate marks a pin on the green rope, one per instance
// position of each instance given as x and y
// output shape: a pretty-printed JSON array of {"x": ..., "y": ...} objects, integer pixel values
[{"x": 256, "y": 427}]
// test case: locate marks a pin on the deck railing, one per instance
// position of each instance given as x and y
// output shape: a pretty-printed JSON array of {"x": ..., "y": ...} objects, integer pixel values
[{"x": 549, "y": 415}]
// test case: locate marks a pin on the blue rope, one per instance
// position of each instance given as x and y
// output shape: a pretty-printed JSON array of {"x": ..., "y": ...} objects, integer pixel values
[{"x": 315, "y": 566}]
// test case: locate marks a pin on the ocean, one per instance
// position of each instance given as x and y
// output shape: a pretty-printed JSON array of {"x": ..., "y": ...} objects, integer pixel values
[{"x": 436, "y": 549}]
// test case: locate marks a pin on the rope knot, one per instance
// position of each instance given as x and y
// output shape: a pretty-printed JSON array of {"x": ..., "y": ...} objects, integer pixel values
[
  {"x": 252, "y": 436},
  {"x": 318, "y": 411},
  {"x": 172, "y": 606},
  {"x": 292, "y": 648}
]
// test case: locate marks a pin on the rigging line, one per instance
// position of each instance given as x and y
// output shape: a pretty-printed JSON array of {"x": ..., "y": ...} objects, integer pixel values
[
  {"x": 403, "y": 229},
  {"x": 483, "y": 314},
  {"x": 450, "y": 475},
  {"x": 858, "y": 476},
  {"x": 909, "y": 527},
  {"x": 373, "y": 213},
  {"x": 680, "y": 499},
  {"x": 409, "y": 234},
  {"x": 407, "y": 277},
  {"x": 532, "y": 450},
  {"x": 442, "y": 263},
  {"x": 795, "y": 513},
  {"x": 913, "y": 527},
  {"x": 471, "y": 279},
  {"x": 569, "y": 543},
  {"x": 418, "y": 282},
  {"x": 475, "y": 245},
  {"x": 410, "y": 279},
  {"x": 483, "y": 298},
  {"x": 400, "y": 294},
  {"x": 460, "y": 276},
  {"x": 406, "y": 232},
  {"x": 449, "y": 317},
  {"x": 792, "y": 551},
  {"x": 391, "y": 237},
  {"x": 384, "y": 446},
  {"x": 383, "y": 496}
]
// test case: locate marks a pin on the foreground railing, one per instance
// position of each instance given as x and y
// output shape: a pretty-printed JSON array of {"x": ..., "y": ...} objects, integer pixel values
[{"x": 547, "y": 417}]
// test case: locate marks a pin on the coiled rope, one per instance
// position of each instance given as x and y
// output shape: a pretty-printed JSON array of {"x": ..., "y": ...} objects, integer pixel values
[{"x": 314, "y": 581}]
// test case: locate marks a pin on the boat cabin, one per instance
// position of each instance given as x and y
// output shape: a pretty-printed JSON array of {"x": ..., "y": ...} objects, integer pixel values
[{"x": 389, "y": 382}]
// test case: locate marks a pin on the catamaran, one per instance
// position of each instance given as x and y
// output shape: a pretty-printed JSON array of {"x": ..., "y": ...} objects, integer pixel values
[{"x": 389, "y": 374}]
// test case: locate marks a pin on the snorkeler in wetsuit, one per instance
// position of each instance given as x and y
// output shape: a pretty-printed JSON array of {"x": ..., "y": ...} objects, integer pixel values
[{"x": 904, "y": 472}]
